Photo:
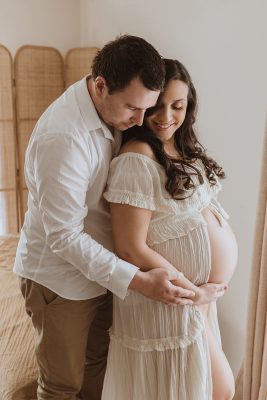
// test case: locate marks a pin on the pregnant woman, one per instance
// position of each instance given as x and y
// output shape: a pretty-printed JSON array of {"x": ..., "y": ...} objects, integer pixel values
[{"x": 163, "y": 193}]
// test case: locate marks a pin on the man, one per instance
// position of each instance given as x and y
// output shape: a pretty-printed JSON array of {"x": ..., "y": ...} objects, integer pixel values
[{"x": 64, "y": 257}]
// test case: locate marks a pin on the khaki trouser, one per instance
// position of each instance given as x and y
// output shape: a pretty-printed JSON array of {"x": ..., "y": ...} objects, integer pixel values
[{"x": 71, "y": 342}]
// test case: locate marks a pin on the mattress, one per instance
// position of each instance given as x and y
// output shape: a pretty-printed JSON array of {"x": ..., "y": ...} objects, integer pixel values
[{"x": 18, "y": 368}]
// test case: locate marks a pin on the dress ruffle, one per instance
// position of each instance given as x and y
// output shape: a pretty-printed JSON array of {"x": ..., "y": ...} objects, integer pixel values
[{"x": 161, "y": 344}]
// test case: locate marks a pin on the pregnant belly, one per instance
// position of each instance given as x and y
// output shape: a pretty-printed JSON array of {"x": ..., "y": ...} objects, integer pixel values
[
  {"x": 189, "y": 253},
  {"x": 223, "y": 248}
]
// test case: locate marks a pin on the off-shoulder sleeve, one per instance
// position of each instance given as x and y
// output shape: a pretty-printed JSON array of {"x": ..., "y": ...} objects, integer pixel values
[
  {"x": 134, "y": 180},
  {"x": 212, "y": 194},
  {"x": 217, "y": 207}
]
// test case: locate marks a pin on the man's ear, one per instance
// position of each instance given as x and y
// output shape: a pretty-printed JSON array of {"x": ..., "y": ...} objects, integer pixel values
[{"x": 100, "y": 86}]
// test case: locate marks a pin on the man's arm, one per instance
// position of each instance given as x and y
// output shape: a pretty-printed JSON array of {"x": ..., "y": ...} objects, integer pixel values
[
  {"x": 62, "y": 170},
  {"x": 130, "y": 226}
]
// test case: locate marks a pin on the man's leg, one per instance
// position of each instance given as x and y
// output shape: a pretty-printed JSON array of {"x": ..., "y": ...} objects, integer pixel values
[
  {"x": 97, "y": 350},
  {"x": 61, "y": 329}
]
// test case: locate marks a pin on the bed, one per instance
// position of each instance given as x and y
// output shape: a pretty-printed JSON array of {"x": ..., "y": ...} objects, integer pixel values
[{"x": 18, "y": 368}]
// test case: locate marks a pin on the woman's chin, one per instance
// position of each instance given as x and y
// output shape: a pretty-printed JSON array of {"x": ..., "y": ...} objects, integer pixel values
[{"x": 164, "y": 136}]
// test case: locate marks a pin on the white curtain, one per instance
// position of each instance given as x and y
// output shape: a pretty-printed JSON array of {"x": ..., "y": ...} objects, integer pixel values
[{"x": 252, "y": 380}]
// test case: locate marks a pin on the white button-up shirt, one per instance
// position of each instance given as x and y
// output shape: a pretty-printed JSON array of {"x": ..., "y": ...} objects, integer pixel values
[{"x": 66, "y": 242}]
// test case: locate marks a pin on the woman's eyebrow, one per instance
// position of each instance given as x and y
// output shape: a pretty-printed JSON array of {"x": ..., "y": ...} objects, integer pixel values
[{"x": 176, "y": 101}]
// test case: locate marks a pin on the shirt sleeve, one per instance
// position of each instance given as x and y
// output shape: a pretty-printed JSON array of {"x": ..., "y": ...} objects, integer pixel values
[
  {"x": 132, "y": 180},
  {"x": 63, "y": 171}
]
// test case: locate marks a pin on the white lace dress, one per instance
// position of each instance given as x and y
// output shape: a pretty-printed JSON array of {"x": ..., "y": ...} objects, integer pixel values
[{"x": 159, "y": 352}]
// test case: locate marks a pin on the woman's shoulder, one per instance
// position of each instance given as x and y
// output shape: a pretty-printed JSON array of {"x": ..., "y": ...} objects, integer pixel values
[
  {"x": 139, "y": 147},
  {"x": 134, "y": 176}
]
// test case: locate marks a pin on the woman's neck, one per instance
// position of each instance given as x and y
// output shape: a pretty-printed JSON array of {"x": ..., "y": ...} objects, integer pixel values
[{"x": 170, "y": 149}]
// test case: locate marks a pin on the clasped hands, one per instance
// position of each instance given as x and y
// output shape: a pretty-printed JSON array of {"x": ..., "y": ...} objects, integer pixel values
[
  {"x": 203, "y": 294},
  {"x": 171, "y": 287}
]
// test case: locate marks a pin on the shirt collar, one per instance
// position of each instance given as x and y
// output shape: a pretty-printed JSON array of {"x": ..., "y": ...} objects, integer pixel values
[
  {"x": 88, "y": 111},
  {"x": 117, "y": 141}
]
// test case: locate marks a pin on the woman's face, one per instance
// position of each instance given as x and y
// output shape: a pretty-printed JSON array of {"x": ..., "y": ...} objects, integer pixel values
[{"x": 170, "y": 111}]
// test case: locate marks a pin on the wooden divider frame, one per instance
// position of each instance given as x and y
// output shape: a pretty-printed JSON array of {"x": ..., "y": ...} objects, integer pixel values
[
  {"x": 9, "y": 161},
  {"x": 39, "y": 75}
]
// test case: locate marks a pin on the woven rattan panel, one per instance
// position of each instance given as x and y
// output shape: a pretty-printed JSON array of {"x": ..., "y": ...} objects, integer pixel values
[
  {"x": 78, "y": 63},
  {"x": 39, "y": 73},
  {"x": 8, "y": 193},
  {"x": 39, "y": 79}
]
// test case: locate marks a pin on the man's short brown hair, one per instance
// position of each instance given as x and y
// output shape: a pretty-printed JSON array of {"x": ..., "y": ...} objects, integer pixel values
[{"x": 128, "y": 57}]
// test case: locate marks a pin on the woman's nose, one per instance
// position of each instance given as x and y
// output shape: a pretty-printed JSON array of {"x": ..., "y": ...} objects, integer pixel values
[{"x": 164, "y": 115}]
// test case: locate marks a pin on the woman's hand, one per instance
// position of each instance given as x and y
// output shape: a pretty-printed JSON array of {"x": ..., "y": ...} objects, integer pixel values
[
  {"x": 209, "y": 292},
  {"x": 204, "y": 294}
]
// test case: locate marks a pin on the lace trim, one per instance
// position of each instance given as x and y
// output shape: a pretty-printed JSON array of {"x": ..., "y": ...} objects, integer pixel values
[
  {"x": 201, "y": 197},
  {"x": 169, "y": 343},
  {"x": 133, "y": 199},
  {"x": 173, "y": 227}
]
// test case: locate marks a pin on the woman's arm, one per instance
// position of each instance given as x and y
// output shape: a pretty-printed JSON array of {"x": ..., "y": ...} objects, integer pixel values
[{"x": 130, "y": 227}]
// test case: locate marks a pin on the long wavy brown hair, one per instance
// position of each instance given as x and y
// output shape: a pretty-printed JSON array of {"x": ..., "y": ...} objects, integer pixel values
[{"x": 180, "y": 172}]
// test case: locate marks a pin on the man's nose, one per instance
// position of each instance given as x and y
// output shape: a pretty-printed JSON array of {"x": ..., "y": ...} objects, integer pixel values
[{"x": 139, "y": 117}]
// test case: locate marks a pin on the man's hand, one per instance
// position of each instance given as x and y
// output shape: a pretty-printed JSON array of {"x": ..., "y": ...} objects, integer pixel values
[
  {"x": 209, "y": 292},
  {"x": 156, "y": 284}
]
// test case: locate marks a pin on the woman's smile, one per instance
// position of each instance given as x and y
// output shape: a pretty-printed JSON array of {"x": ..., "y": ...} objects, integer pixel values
[{"x": 164, "y": 126}]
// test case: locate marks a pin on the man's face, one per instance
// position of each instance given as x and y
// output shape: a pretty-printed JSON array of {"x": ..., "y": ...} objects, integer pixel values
[{"x": 127, "y": 107}]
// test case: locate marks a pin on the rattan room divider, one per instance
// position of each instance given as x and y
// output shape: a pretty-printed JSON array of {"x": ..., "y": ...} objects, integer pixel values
[{"x": 28, "y": 84}]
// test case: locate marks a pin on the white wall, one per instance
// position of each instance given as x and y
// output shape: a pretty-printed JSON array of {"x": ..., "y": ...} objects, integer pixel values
[
  {"x": 54, "y": 23},
  {"x": 223, "y": 44}
]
